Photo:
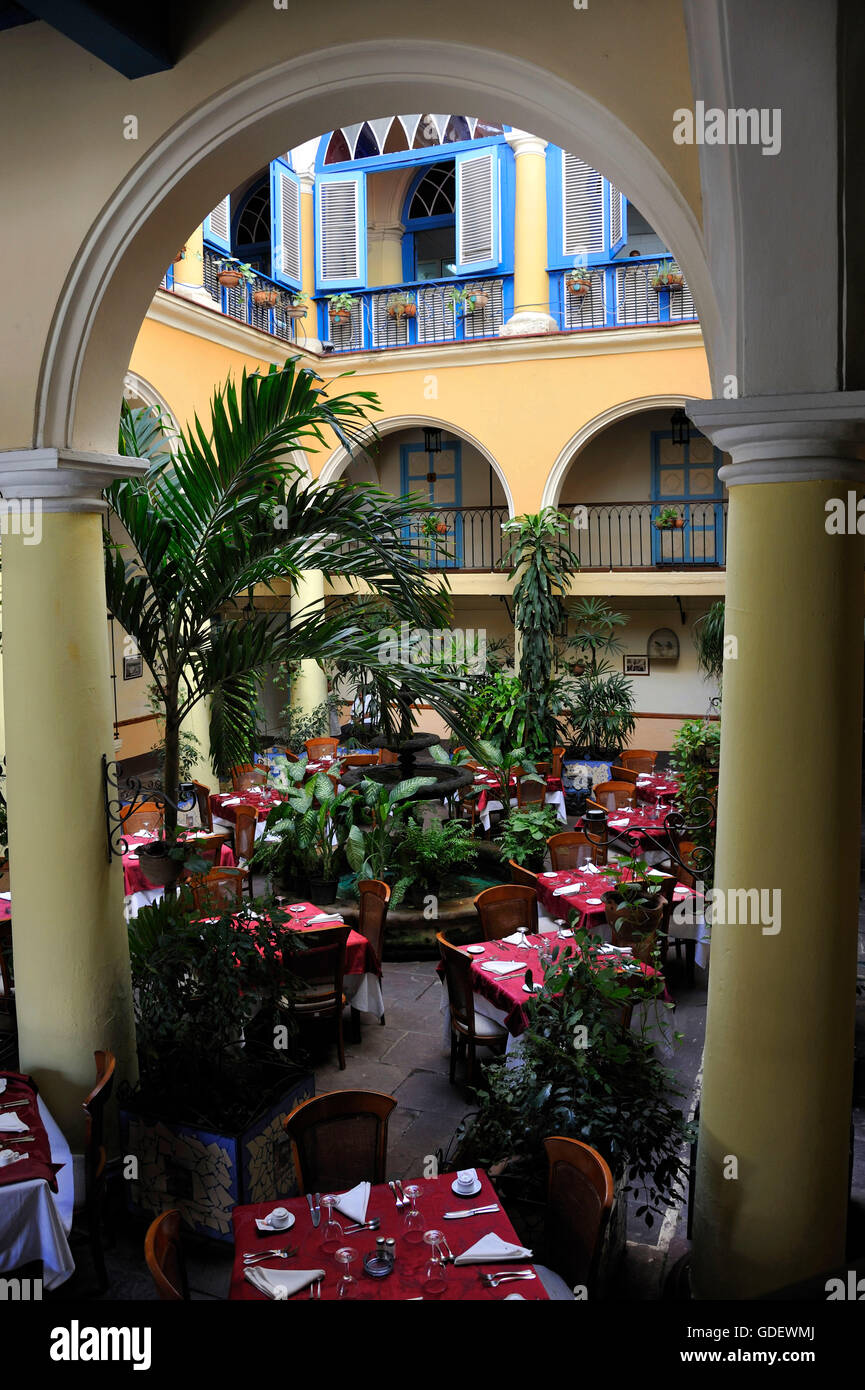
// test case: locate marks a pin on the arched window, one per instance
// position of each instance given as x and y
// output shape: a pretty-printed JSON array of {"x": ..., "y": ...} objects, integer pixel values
[
  {"x": 430, "y": 225},
  {"x": 252, "y": 228}
]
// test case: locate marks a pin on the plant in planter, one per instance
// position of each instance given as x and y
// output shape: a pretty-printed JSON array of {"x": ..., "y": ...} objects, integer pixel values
[
  {"x": 579, "y": 282},
  {"x": 340, "y": 307},
  {"x": 371, "y": 845},
  {"x": 634, "y": 908},
  {"x": 524, "y": 836},
  {"x": 467, "y": 300},
  {"x": 694, "y": 761},
  {"x": 667, "y": 276},
  {"x": 205, "y": 1119},
  {"x": 324, "y": 818},
  {"x": 428, "y": 857},
  {"x": 504, "y": 762},
  {"x": 296, "y": 307},
  {"x": 230, "y": 272},
  {"x": 708, "y": 634},
  {"x": 266, "y": 298},
  {"x": 401, "y": 306},
  {"x": 611, "y": 1093},
  {"x": 600, "y": 700},
  {"x": 164, "y": 859},
  {"x": 669, "y": 519},
  {"x": 433, "y": 526}
]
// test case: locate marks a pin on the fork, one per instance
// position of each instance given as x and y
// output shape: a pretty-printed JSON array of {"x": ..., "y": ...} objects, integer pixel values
[
  {"x": 269, "y": 1255},
  {"x": 403, "y": 1199},
  {"x": 315, "y": 1289},
  {"x": 392, "y": 1185},
  {"x": 449, "y": 1254},
  {"x": 492, "y": 1281}
]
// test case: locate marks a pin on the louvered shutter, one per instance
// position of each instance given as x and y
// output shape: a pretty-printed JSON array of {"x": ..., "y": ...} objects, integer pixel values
[
  {"x": 582, "y": 207},
  {"x": 217, "y": 226},
  {"x": 478, "y": 214},
  {"x": 618, "y": 223},
  {"x": 285, "y": 224},
  {"x": 340, "y": 226}
]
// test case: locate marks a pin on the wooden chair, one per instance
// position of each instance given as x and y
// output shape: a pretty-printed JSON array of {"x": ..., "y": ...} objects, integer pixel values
[
  {"x": 468, "y": 1028},
  {"x": 571, "y": 849},
  {"x": 165, "y": 1258},
  {"x": 361, "y": 760},
  {"x": 374, "y": 900},
  {"x": 505, "y": 908},
  {"x": 247, "y": 775},
  {"x": 146, "y": 819},
  {"x": 95, "y": 1158},
  {"x": 321, "y": 747},
  {"x": 530, "y": 793},
  {"x": 558, "y": 754},
  {"x": 321, "y": 970},
  {"x": 218, "y": 891},
  {"x": 339, "y": 1139},
  {"x": 612, "y": 796},
  {"x": 579, "y": 1201},
  {"x": 523, "y": 876},
  {"x": 205, "y": 814},
  {"x": 623, "y": 774},
  {"x": 638, "y": 760},
  {"x": 245, "y": 823},
  {"x": 468, "y": 805}
]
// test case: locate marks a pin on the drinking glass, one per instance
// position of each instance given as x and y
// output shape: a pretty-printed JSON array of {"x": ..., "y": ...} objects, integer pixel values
[
  {"x": 414, "y": 1232},
  {"x": 435, "y": 1275},
  {"x": 345, "y": 1257},
  {"x": 331, "y": 1231}
]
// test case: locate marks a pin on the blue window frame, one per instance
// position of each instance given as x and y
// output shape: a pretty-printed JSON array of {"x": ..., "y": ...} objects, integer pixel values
[
  {"x": 445, "y": 492},
  {"x": 694, "y": 488}
]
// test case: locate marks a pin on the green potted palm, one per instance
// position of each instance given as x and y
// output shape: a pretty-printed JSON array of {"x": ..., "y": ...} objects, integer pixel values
[{"x": 524, "y": 836}]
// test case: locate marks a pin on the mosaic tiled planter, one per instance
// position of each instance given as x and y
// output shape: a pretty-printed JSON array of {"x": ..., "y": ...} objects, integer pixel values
[{"x": 205, "y": 1174}]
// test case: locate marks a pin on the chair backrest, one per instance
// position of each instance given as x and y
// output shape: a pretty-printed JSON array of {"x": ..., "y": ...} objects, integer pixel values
[
  {"x": 505, "y": 908},
  {"x": 557, "y": 756},
  {"x": 524, "y": 876},
  {"x": 572, "y": 848},
  {"x": 530, "y": 793},
  {"x": 94, "y": 1108},
  {"x": 613, "y": 795},
  {"x": 685, "y": 849},
  {"x": 245, "y": 822},
  {"x": 321, "y": 968},
  {"x": 458, "y": 979},
  {"x": 623, "y": 774},
  {"x": 361, "y": 760},
  {"x": 281, "y": 750},
  {"x": 374, "y": 899},
  {"x": 218, "y": 891},
  {"x": 579, "y": 1200},
  {"x": 202, "y": 796},
  {"x": 7, "y": 989},
  {"x": 320, "y": 747},
  {"x": 638, "y": 759},
  {"x": 247, "y": 775},
  {"x": 165, "y": 1258},
  {"x": 388, "y": 756},
  {"x": 145, "y": 819},
  {"x": 339, "y": 1139}
]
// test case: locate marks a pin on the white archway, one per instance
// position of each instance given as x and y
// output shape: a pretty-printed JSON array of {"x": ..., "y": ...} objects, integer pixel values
[
  {"x": 188, "y": 169},
  {"x": 334, "y": 466},
  {"x": 578, "y": 441}
]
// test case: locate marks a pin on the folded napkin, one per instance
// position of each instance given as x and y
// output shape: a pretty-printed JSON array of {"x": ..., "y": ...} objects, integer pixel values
[
  {"x": 353, "y": 1204},
  {"x": 566, "y": 889},
  {"x": 515, "y": 939},
  {"x": 502, "y": 967},
  {"x": 492, "y": 1248},
  {"x": 589, "y": 869},
  {"x": 617, "y": 824},
  {"x": 12, "y": 1124},
  {"x": 325, "y": 917},
  {"x": 281, "y": 1283},
  {"x": 7, "y": 897},
  {"x": 8, "y": 1156},
  {"x": 656, "y": 873},
  {"x": 232, "y": 801}
]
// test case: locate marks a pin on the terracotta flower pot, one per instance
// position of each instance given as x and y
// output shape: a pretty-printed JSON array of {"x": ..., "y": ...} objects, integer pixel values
[
  {"x": 229, "y": 278},
  {"x": 268, "y": 298},
  {"x": 578, "y": 288},
  {"x": 410, "y": 311},
  {"x": 341, "y": 315},
  {"x": 679, "y": 523},
  {"x": 159, "y": 868},
  {"x": 295, "y": 311},
  {"x": 479, "y": 300}
]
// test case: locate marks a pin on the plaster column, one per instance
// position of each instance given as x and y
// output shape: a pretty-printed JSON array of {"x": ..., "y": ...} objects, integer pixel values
[
  {"x": 309, "y": 688},
  {"x": 531, "y": 282},
  {"x": 69, "y": 934},
  {"x": 772, "y": 1172},
  {"x": 189, "y": 273},
  {"x": 385, "y": 253},
  {"x": 307, "y": 329}
]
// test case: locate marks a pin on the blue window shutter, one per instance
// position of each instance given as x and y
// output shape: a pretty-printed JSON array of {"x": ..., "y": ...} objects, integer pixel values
[
  {"x": 285, "y": 225},
  {"x": 478, "y": 211},
  {"x": 217, "y": 226},
  {"x": 340, "y": 231},
  {"x": 582, "y": 208},
  {"x": 618, "y": 224}
]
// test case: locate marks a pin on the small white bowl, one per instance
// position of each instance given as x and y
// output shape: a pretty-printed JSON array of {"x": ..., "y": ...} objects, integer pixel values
[
  {"x": 466, "y": 1191},
  {"x": 476, "y": 950}
]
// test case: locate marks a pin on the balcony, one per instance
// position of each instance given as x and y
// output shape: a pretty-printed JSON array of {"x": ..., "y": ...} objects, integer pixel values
[
  {"x": 620, "y": 296},
  {"x": 435, "y": 317},
  {"x": 238, "y": 303},
  {"x": 622, "y": 536}
]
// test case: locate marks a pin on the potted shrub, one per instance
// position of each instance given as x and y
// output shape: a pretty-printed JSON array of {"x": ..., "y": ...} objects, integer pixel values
[
  {"x": 429, "y": 857},
  {"x": 313, "y": 823},
  {"x": 469, "y": 299},
  {"x": 579, "y": 282},
  {"x": 205, "y": 1120},
  {"x": 381, "y": 812},
  {"x": 433, "y": 526},
  {"x": 669, "y": 519},
  {"x": 667, "y": 276},
  {"x": 341, "y": 307},
  {"x": 230, "y": 272},
  {"x": 599, "y": 700},
  {"x": 296, "y": 308},
  {"x": 401, "y": 306},
  {"x": 634, "y": 905},
  {"x": 163, "y": 860},
  {"x": 524, "y": 836}
]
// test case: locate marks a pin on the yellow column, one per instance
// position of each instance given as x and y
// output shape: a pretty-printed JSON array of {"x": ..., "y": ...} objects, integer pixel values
[
  {"x": 189, "y": 273},
  {"x": 309, "y": 688},
  {"x": 307, "y": 329},
  {"x": 69, "y": 933},
  {"x": 385, "y": 254},
  {"x": 531, "y": 282},
  {"x": 774, "y": 1128}
]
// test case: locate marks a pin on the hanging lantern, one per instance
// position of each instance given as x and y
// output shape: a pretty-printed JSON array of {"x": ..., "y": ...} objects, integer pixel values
[
  {"x": 681, "y": 427},
  {"x": 432, "y": 441}
]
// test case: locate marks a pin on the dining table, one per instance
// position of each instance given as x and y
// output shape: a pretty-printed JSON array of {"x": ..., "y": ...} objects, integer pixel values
[
  {"x": 362, "y": 980},
  {"x": 36, "y": 1189},
  {"x": 223, "y": 806},
  {"x": 137, "y": 888},
  {"x": 487, "y": 782},
  {"x": 462, "y": 1282},
  {"x": 654, "y": 786}
]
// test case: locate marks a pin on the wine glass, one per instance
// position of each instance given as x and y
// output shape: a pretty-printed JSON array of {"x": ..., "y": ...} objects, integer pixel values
[
  {"x": 345, "y": 1256},
  {"x": 414, "y": 1232},
  {"x": 435, "y": 1275},
  {"x": 331, "y": 1231},
  {"x": 523, "y": 930}
]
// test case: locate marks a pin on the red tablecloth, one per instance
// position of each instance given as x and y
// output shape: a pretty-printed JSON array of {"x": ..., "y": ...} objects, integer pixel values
[
  {"x": 359, "y": 956},
  {"x": 5, "y": 909},
  {"x": 37, "y": 1163},
  {"x": 644, "y": 818},
  {"x": 591, "y": 915},
  {"x": 650, "y": 786},
  {"x": 492, "y": 787},
  {"x": 509, "y": 993},
  {"x": 463, "y": 1281},
  {"x": 134, "y": 880},
  {"x": 263, "y": 803}
]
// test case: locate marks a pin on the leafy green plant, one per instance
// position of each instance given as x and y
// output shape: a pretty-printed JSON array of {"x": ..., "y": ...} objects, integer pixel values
[
  {"x": 667, "y": 518},
  {"x": 594, "y": 635},
  {"x": 243, "y": 268},
  {"x": 297, "y": 725},
  {"x": 504, "y": 762},
  {"x": 583, "y": 1074},
  {"x": 694, "y": 761},
  {"x": 709, "y": 641},
  {"x": 601, "y": 713},
  {"x": 372, "y": 845},
  {"x": 666, "y": 276},
  {"x": 525, "y": 833},
  {"x": 341, "y": 303},
  {"x": 427, "y": 857}
]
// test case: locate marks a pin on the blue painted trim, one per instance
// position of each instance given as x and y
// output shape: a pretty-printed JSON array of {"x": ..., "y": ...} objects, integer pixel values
[
  {"x": 402, "y": 159},
  {"x": 556, "y": 258},
  {"x": 491, "y": 263},
  {"x": 359, "y": 282},
  {"x": 280, "y": 167},
  {"x": 453, "y": 541},
  {"x": 658, "y": 502}
]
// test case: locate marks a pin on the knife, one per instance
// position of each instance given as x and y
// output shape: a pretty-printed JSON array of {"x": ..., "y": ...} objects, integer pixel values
[
  {"x": 311, "y": 1206},
  {"x": 316, "y": 1215},
  {"x": 475, "y": 1211}
]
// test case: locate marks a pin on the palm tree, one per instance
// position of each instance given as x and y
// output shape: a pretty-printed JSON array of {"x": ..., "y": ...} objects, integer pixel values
[{"x": 221, "y": 512}]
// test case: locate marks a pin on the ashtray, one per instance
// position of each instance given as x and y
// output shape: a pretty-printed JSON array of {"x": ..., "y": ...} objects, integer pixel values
[{"x": 377, "y": 1266}]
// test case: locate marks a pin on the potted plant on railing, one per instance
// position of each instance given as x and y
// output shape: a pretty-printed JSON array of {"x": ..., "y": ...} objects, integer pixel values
[
  {"x": 524, "y": 836},
  {"x": 634, "y": 908},
  {"x": 667, "y": 276},
  {"x": 230, "y": 272},
  {"x": 468, "y": 299},
  {"x": 163, "y": 860},
  {"x": 579, "y": 282},
  {"x": 266, "y": 297},
  {"x": 401, "y": 306},
  {"x": 340, "y": 307},
  {"x": 433, "y": 526},
  {"x": 295, "y": 308},
  {"x": 669, "y": 519}
]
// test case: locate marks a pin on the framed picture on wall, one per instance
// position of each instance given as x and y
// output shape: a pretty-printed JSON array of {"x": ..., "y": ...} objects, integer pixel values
[
  {"x": 133, "y": 667},
  {"x": 635, "y": 665}
]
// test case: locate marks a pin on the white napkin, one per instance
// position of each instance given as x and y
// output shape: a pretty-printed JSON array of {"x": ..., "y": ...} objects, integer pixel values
[
  {"x": 12, "y": 1124},
  {"x": 2, "y": 1084},
  {"x": 567, "y": 889},
  {"x": 8, "y": 1156},
  {"x": 281, "y": 1283},
  {"x": 325, "y": 917},
  {"x": 509, "y": 1297},
  {"x": 492, "y": 1248},
  {"x": 589, "y": 869},
  {"x": 232, "y": 801},
  {"x": 502, "y": 967},
  {"x": 353, "y": 1204},
  {"x": 7, "y": 897},
  {"x": 617, "y": 824},
  {"x": 515, "y": 939},
  {"x": 656, "y": 873}
]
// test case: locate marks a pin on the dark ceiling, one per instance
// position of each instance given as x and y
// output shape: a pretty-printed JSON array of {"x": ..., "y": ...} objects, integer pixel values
[{"x": 131, "y": 36}]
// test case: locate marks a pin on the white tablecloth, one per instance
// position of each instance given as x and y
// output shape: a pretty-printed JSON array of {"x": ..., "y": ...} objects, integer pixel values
[
  {"x": 364, "y": 992},
  {"x": 556, "y": 799},
  {"x": 34, "y": 1221}
]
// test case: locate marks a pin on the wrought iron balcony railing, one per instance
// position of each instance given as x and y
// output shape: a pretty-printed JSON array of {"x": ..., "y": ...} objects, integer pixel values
[
  {"x": 621, "y": 295},
  {"x": 431, "y": 312},
  {"x": 623, "y": 535}
]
